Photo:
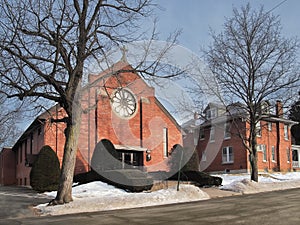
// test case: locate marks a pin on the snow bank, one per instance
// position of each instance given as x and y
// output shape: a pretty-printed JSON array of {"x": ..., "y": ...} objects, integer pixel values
[
  {"x": 267, "y": 182},
  {"x": 98, "y": 196}
]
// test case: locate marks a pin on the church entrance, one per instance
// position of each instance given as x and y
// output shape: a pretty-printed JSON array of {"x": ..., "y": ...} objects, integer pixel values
[{"x": 130, "y": 159}]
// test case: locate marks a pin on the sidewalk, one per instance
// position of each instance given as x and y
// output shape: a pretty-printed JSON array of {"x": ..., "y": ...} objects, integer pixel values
[{"x": 215, "y": 192}]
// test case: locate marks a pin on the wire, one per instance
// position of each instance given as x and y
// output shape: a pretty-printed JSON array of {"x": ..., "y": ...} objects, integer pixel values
[{"x": 276, "y": 6}]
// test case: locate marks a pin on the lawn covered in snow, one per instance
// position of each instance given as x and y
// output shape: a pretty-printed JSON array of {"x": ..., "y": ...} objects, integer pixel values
[{"x": 98, "y": 196}]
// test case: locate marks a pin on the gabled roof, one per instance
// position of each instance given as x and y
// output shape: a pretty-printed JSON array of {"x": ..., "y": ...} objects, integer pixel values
[{"x": 40, "y": 119}]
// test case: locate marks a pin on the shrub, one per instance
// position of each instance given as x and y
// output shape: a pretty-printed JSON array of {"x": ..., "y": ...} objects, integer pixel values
[
  {"x": 45, "y": 172},
  {"x": 189, "y": 160},
  {"x": 128, "y": 179},
  {"x": 200, "y": 179},
  {"x": 105, "y": 157}
]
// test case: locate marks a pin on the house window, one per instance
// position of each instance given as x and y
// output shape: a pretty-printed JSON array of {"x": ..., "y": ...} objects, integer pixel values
[
  {"x": 165, "y": 141},
  {"x": 211, "y": 113},
  {"x": 269, "y": 126},
  {"x": 227, "y": 155},
  {"x": 288, "y": 154},
  {"x": 201, "y": 133},
  {"x": 263, "y": 149},
  {"x": 212, "y": 134},
  {"x": 273, "y": 154},
  {"x": 196, "y": 136},
  {"x": 286, "y": 132},
  {"x": 258, "y": 129},
  {"x": 203, "y": 158},
  {"x": 227, "y": 133},
  {"x": 31, "y": 143}
]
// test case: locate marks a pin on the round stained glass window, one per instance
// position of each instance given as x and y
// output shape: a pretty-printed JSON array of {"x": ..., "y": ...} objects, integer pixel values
[{"x": 123, "y": 103}]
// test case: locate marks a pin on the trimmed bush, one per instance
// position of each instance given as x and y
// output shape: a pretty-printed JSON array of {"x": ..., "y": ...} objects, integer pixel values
[
  {"x": 188, "y": 156},
  {"x": 105, "y": 157},
  {"x": 200, "y": 179},
  {"x": 128, "y": 179},
  {"x": 45, "y": 172}
]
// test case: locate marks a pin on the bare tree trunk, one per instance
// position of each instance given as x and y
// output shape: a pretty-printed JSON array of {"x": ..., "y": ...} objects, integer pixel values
[
  {"x": 253, "y": 155},
  {"x": 254, "y": 168},
  {"x": 64, "y": 193}
]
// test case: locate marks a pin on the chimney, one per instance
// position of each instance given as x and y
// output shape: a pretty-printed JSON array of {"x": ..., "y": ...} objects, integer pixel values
[{"x": 279, "y": 109}]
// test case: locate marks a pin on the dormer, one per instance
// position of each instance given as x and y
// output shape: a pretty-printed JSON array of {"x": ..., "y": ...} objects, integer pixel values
[
  {"x": 264, "y": 108},
  {"x": 213, "y": 110}
]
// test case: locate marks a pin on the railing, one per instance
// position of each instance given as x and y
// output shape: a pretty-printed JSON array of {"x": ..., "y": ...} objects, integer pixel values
[{"x": 296, "y": 164}]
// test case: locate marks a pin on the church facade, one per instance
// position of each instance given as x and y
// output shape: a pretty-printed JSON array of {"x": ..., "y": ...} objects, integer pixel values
[{"x": 119, "y": 106}]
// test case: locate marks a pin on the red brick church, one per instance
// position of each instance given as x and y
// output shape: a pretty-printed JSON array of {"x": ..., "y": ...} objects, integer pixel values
[{"x": 118, "y": 106}]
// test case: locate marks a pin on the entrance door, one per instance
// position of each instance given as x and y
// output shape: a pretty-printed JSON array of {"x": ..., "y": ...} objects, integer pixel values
[
  {"x": 295, "y": 158},
  {"x": 131, "y": 159}
]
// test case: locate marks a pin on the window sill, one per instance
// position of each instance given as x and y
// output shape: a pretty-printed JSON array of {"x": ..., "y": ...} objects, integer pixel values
[{"x": 226, "y": 163}]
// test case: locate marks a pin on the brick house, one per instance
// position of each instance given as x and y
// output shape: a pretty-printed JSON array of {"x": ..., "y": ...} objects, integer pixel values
[
  {"x": 118, "y": 106},
  {"x": 221, "y": 149}
]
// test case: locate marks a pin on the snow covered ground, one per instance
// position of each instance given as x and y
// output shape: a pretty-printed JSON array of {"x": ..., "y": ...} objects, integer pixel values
[{"x": 98, "y": 196}]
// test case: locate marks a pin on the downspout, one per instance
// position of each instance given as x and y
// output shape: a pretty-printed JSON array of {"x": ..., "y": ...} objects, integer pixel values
[
  {"x": 89, "y": 129},
  {"x": 141, "y": 123}
]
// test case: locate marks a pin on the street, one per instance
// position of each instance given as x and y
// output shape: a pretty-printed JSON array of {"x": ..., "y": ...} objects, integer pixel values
[{"x": 280, "y": 207}]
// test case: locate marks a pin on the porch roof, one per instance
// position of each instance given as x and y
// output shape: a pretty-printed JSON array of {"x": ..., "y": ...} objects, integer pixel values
[{"x": 130, "y": 148}]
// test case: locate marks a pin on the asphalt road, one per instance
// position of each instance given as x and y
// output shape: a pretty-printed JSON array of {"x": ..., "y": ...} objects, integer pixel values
[{"x": 280, "y": 207}]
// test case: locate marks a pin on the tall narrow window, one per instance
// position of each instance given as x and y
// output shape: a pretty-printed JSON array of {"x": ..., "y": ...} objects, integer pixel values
[
  {"x": 227, "y": 133},
  {"x": 264, "y": 150},
  {"x": 31, "y": 143},
  {"x": 258, "y": 129},
  {"x": 196, "y": 136},
  {"x": 212, "y": 134},
  {"x": 269, "y": 126},
  {"x": 273, "y": 154},
  {"x": 165, "y": 141},
  {"x": 288, "y": 154},
  {"x": 286, "y": 132},
  {"x": 227, "y": 155}
]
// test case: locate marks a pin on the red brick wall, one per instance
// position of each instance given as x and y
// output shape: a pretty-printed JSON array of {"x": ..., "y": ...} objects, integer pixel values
[
  {"x": 7, "y": 167},
  {"x": 213, "y": 149},
  {"x": 129, "y": 132},
  {"x": 241, "y": 160}
]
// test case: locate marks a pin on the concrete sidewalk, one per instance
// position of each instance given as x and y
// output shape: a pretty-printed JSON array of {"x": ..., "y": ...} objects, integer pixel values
[{"x": 215, "y": 192}]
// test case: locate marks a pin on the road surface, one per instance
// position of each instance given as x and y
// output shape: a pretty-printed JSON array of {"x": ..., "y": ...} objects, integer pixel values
[{"x": 279, "y": 207}]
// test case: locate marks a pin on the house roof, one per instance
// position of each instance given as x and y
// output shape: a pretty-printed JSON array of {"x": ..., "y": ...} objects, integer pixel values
[
  {"x": 237, "y": 110},
  {"x": 36, "y": 123}
]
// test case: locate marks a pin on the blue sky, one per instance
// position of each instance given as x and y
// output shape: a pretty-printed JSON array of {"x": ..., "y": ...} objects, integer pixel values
[{"x": 195, "y": 17}]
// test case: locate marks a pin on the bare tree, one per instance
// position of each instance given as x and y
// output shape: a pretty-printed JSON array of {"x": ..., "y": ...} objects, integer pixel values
[
  {"x": 45, "y": 46},
  {"x": 252, "y": 63},
  {"x": 9, "y": 115}
]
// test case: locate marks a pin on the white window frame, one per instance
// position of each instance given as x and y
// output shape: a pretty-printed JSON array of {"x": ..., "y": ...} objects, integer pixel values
[
  {"x": 258, "y": 129},
  {"x": 212, "y": 134},
  {"x": 211, "y": 113},
  {"x": 165, "y": 142},
  {"x": 227, "y": 157},
  {"x": 273, "y": 154},
  {"x": 288, "y": 155},
  {"x": 262, "y": 148},
  {"x": 227, "y": 133},
  {"x": 286, "y": 131},
  {"x": 270, "y": 126}
]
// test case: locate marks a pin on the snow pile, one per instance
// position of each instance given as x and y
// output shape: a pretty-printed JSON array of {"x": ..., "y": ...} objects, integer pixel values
[
  {"x": 98, "y": 196},
  {"x": 266, "y": 182}
]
